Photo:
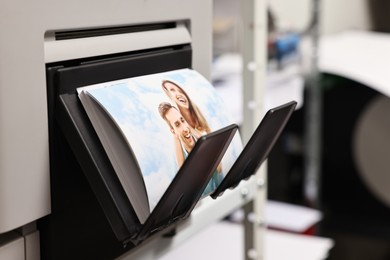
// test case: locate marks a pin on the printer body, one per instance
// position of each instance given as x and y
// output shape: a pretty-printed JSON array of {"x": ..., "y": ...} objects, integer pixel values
[{"x": 43, "y": 192}]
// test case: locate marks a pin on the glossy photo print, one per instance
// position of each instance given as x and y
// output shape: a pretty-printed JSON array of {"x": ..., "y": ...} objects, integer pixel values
[{"x": 161, "y": 117}]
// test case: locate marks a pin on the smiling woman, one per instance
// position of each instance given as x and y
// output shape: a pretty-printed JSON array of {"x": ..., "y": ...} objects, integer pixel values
[{"x": 187, "y": 108}]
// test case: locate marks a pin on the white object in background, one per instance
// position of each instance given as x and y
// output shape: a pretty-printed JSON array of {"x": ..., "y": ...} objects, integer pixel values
[
  {"x": 290, "y": 217},
  {"x": 224, "y": 240},
  {"x": 286, "y": 246},
  {"x": 371, "y": 147},
  {"x": 285, "y": 216},
  {"x": 358, "y": 55}
]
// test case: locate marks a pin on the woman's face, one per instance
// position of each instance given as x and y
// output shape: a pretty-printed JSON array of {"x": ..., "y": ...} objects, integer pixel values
[{"x": 177, "y": 95}]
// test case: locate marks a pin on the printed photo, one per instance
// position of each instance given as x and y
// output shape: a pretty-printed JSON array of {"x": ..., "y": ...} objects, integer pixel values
[{"x": 162, "y": 116}]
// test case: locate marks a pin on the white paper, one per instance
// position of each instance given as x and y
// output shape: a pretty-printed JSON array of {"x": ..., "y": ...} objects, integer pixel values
[
  {"x": 290, "y": 217},
  {"x": 225, "y": 240}
]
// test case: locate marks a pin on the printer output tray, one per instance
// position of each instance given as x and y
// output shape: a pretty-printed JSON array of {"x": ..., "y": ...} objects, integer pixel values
[
  {"x": 258, "y": 147},
  {"x": 176, "y": 203}
]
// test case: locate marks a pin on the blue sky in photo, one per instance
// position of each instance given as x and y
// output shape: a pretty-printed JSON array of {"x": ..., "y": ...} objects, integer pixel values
[{"x": 133, "y": 104}]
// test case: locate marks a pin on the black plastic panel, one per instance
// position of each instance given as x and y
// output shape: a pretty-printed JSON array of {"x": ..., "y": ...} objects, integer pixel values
[
  {"x": 92, "y": 217},
  {"x": 77, "y": 34},
  {"x": 191, "y": 180},
  {"x": 258, "y": 147}
]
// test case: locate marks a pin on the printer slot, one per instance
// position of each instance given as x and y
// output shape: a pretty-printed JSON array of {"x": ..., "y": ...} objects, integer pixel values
[
  {"x": 87, "y": 47},
  {"x": 95, "y": 32}
]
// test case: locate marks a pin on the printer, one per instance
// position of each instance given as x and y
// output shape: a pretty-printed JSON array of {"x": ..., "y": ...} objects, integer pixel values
[{"x": 48, "y": 209}]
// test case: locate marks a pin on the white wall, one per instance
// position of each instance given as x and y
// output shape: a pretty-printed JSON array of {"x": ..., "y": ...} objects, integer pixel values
[{"x": 336, "y": 15}]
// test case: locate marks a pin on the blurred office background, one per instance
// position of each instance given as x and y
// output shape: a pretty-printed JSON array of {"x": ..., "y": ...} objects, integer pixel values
[{"x": 353, "y": 175}]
